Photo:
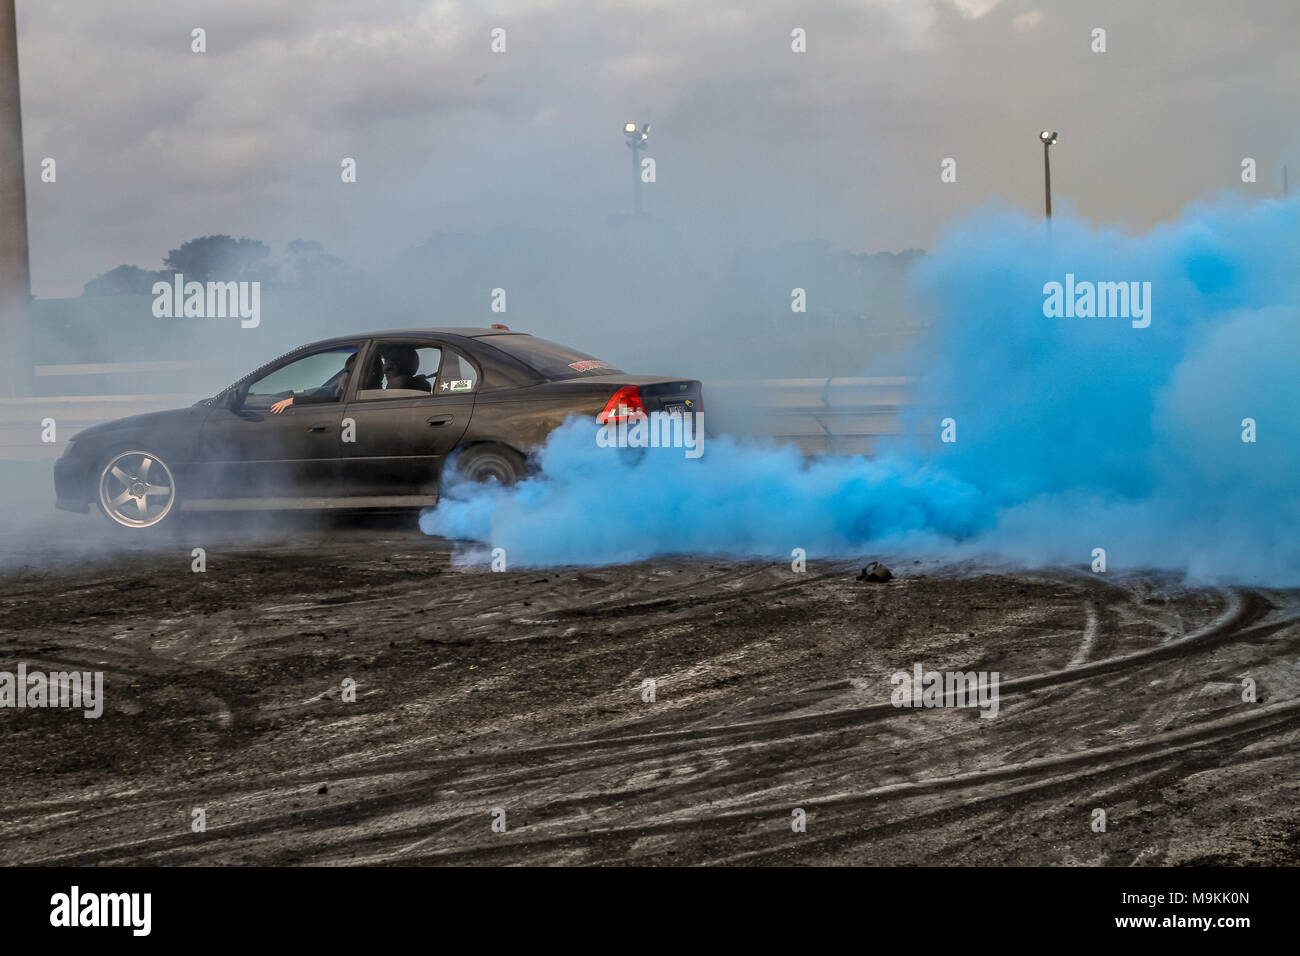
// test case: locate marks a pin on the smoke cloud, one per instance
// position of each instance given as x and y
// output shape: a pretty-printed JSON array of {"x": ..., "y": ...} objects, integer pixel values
[{"x": 1071, "y": 433}]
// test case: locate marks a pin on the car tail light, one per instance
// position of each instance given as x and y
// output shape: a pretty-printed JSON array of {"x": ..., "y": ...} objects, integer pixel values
[{"x": 626, "y": 405}]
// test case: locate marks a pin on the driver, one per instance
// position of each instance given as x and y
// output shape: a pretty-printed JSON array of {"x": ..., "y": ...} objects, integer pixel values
[{"x": 320, "y": 398}]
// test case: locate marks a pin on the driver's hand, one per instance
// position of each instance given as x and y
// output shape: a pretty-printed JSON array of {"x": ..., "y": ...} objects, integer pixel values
[{"x": 281, "y": 405}]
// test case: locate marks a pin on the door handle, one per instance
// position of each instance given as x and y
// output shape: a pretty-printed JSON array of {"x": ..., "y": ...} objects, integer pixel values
[
  {"x": 441, "y": 420},
  {"x": 317, "y": 428}
]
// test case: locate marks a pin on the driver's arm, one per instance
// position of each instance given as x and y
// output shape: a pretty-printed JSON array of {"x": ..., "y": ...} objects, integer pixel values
[
  {"x": 318, "y": 397},
  {"x": 311, "y": 399}
]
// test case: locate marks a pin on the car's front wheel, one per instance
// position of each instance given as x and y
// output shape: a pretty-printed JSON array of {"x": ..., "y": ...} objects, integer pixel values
[{"x": 137, "y": 490}]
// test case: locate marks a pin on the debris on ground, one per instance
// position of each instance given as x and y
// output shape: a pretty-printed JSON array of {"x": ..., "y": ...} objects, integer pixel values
[{"x": 875, "y": 571}]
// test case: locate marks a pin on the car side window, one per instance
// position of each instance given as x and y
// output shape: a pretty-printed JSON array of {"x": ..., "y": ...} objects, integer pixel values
[
  {"x": 458, "y": 375},
  {"x": 321, "y": 375},
  {"x": 401, "y": 370}
]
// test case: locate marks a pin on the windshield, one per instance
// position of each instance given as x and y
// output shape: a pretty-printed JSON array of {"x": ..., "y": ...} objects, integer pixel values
[{"x": 549, "y": 358}]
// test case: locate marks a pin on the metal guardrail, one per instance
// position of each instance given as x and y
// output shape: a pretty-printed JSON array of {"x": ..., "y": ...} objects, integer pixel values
[
  {"x": 94, "y": 379},
  {"x": 22, "y": 420},
  {"x": 843, "y": 415},
  {"x": 116, "y": 368}
]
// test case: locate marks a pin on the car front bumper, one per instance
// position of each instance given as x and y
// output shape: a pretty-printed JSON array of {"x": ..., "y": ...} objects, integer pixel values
[{"x": 72, "y": 482}]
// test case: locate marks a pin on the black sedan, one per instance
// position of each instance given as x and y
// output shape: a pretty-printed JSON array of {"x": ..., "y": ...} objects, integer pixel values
[{"x": 357, "y": 422}]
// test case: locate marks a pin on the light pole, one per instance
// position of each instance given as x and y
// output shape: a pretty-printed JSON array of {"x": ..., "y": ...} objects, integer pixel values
[
  {"x": 1049, "y": 140},
  {"x": 15, "y": 278},
  {"x": 638, "y": 139}
]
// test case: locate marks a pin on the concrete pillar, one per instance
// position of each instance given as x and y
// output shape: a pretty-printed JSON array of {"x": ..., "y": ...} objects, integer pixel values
[{"x": 15, "y": 278}]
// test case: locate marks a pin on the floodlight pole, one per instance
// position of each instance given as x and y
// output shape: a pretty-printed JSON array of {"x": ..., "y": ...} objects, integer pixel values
[
  {"x": 636, "y": 179},
  {"x": 637, "y": 139},
  {"x": 1047, "y": 176}
]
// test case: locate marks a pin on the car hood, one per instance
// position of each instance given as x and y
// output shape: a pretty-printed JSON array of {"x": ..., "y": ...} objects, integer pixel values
[{"x": 146, "y": 422}]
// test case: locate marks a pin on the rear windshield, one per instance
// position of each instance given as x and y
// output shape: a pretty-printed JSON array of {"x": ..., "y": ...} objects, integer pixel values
[{"x": 552, "y": 360}]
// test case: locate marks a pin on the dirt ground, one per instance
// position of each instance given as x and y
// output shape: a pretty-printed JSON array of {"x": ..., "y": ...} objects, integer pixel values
[{"x": 523, "y": 691}]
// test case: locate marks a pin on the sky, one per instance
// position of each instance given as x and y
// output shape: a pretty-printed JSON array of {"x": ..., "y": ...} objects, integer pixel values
[{"x": 155, "y": 144}]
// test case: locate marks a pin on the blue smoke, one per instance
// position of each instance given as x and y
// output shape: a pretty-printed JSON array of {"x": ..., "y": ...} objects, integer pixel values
[{"x": 1071, "y": 433}]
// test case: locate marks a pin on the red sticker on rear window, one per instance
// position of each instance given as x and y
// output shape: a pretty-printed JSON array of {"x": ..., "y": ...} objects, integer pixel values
[{"x": 588, "y": 365}]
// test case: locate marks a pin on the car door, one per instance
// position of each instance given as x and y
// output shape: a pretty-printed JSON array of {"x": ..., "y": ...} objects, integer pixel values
[
  {"x": 247, "y": 450},
  {"x": 401, "y": 435}
]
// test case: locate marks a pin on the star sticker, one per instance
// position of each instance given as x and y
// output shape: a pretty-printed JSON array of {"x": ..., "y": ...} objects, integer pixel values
[{"x": 445, "y": 385}]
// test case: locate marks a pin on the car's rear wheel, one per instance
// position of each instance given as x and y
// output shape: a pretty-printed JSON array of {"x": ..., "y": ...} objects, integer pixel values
[
  {"x": 484, "y": 463},
  {"x": 137, "y": 490}
]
